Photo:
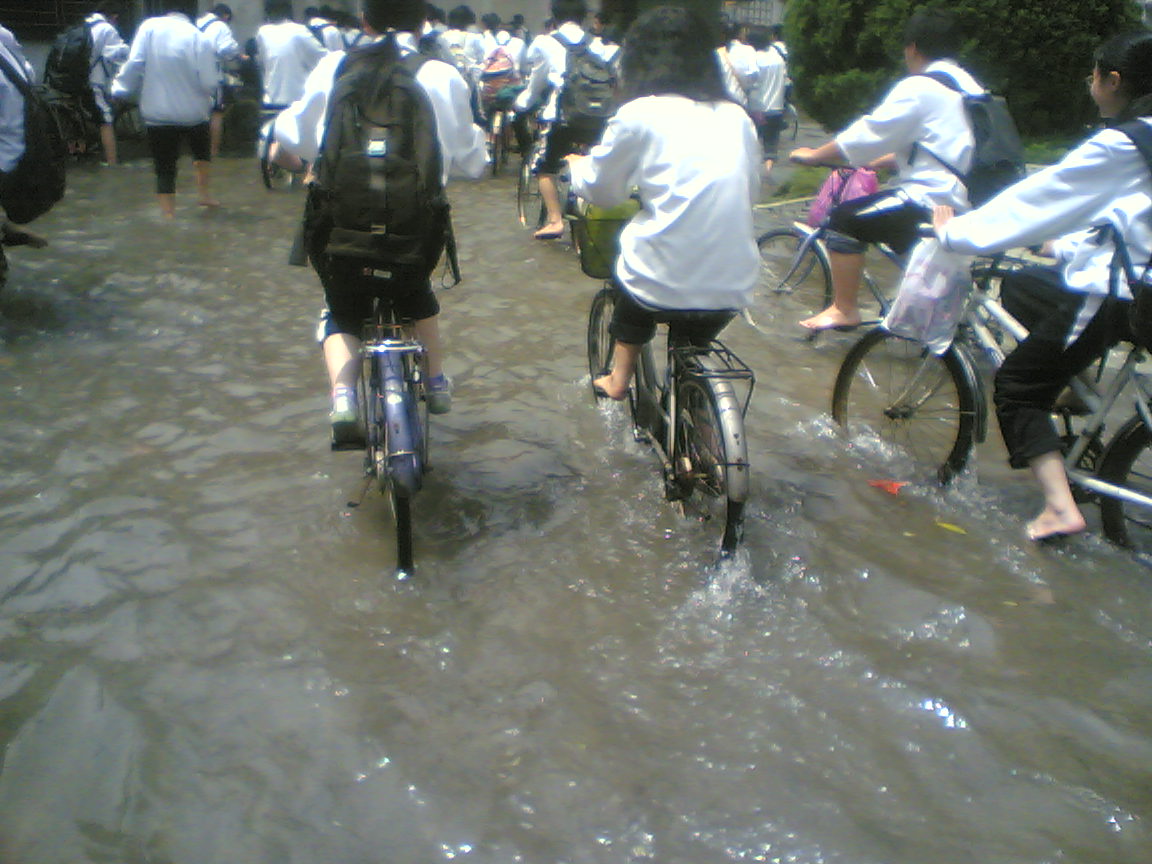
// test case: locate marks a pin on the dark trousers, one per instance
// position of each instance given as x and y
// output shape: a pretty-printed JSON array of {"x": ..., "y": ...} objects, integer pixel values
[
  {"x": 1041, "y": 366},
  {"x": 164, "y": 143}
]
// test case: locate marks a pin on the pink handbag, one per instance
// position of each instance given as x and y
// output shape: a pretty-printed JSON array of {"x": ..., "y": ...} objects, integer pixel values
[{"x": 843, "y": 184}]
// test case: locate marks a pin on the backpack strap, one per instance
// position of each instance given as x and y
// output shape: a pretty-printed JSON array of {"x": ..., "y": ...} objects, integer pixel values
[
  {"x": 210, "y": 20},
  {"x": 18, "y": 81},
  {"x": 940, "y": 77},
  {"x": 1139, "y": 133}
]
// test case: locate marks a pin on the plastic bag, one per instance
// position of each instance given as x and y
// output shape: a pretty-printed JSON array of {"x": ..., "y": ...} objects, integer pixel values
[
  {"x": 843, "y": 184},
  {"x": 932, "y": 295}
]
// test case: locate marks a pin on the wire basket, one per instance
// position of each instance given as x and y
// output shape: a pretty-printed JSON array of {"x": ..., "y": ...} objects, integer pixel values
[{"x": 597, "y": 233}]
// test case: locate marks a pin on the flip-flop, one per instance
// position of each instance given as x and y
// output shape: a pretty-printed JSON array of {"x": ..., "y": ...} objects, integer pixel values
[{"x": 551, "y": 235}]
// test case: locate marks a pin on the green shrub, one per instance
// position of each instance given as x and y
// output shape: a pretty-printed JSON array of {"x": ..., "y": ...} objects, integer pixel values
[{"x": 845, "y": 54}]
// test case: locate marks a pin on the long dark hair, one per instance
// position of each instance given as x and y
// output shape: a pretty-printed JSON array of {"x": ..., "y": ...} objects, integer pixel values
[
  {"x": 1130, "y": 54},
  {"x": 670, "y": 50}
]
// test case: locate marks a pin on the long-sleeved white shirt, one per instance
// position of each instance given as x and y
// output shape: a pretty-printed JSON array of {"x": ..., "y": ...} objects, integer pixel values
[
  {"x": 12, "y": 102},
  {"x": 549, "y": 60},
  {"x": 1104, "y": 181},
  {"x": 767, "y": 90},
  {"x": 286, "y": 52},
  {"x": 172, "y": 67},
  {"x": 919, "y": 113},
  {"x": 467, "y": 45},
  {"x": 109, "y": 50},
  {"x": 326, "y": 32},
  {"x": 696, "y": 166},
  {"x": 300, "y": 127},
  {"x": 744, "y": 63}
]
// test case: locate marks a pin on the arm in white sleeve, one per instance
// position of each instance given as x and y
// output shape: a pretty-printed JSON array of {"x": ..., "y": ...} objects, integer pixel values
[
  {"x": 537, "y": 80},
  {"x": 111, "y": 47},
  {"x": 299, "y": 128},
  {"x": 1070, "y": 195},
  {"x": 462, "y": 142},
  {"x": 131, "y": 75},
  {"x": 607, "y": 176},
  {"x": 894, "y": 124}
]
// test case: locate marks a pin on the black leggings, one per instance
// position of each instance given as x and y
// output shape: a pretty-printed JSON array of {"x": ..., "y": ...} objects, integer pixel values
[
  {"x": 164, "y": 143},
  {"x": 1035, "y": 373},
  {"x": 635, "y": 324}
]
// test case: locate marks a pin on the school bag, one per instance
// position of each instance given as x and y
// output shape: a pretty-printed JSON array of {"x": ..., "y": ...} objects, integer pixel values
[
  {"x": 69, "y": 62},
  {"x": 998, "y": 158},
  {"x": 378, "y": 196},
  {"x": 1140, "y": 284},
  {"x": 498, "y": 72},
  {"x": 37, "y": 182},
  {"x": 588, "y": 94}
]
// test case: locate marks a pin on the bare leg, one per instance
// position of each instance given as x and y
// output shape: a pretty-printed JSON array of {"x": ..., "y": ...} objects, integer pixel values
[
  {"x": 847, "y": 273},
  {"x": 427, "y": 330},
  {"x": 615, "y": 384},
  {"x": 215, "y": 132},
  {"x": 167, "y": 204},
  {"x": 768, "y": 163},
  {"x": 203, "y": 176},
  {"x": 108, "y": 143},
  {"x": 1060, "y": 514},
  {"x": 554, "y": 220},
  {"x": 342, "y": 359}
]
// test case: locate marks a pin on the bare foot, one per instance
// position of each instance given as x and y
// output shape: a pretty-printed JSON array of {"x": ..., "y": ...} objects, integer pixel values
[
  {"x": 1051, "y": 523},
  {"x": 210, "y": 202},
  {"x": 610, "y": 388},
  {"x": 551, "y": 231},
  {"x": 832, "y": 317}
]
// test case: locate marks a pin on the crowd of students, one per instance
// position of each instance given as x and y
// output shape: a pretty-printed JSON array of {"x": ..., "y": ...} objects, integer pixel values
[{"x": 695, "y": 132}]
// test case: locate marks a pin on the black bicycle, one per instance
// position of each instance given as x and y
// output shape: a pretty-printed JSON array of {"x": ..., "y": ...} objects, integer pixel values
[{"x": 692, "y": 413}]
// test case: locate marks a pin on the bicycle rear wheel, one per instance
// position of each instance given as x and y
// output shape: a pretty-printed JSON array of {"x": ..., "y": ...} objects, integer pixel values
[
  {"x": 925, "y": 404},
  {"x": 709, "y": 453},
  {"x": 600, "y": 341},
  {"x": 498, "y": 143},
  {"x": 529, "y": 204},
  {"x": 788, "y": 275},
  {"x": 1128, "y": 462}
]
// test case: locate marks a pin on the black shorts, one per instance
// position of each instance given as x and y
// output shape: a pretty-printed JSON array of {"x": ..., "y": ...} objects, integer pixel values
[
  {"x": 560, "y": 141},
  {"x": 349, "y": 291},
  {"x": 888, "y": 216},
  {"x": 164, "y": 143},
  {"x": 769, "y": 124},
  {"x": 635, "y": 324}
]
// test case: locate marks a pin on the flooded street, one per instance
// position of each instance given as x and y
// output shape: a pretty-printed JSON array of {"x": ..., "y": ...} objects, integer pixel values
[{"x": 204, "y": 660}]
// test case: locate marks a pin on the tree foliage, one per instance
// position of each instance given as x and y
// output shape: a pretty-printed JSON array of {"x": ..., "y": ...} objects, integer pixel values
[{"x": 845, "y": 54}]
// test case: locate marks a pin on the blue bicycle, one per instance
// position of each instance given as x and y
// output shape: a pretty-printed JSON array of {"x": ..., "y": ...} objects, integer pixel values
[{"x": 396, "y": 422}]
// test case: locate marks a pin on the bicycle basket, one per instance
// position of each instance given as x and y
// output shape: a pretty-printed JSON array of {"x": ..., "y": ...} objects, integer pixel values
[{"x": 598, "y": 237}]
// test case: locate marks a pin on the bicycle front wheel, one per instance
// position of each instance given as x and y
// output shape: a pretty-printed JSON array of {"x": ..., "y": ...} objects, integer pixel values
[
  {"x": 529, "y": 204},
  {"x": 791, "y": 274},
  {"x": 1128, "y": 462},
  {"x": 924, "y": 404},
  {"x": 709, "y": 453}
]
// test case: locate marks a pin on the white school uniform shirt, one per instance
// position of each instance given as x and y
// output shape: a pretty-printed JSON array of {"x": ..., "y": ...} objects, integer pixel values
[
  {"x": 286, "y": 52},
  {"x": 300, "y": 127},
  {"x": 744, "y": 63},
  {"x": 696, "y": 166},
  {"x": 1104, "y": 181},
  {"x": 220, "y": 35},
  {"x": 109, "y": 50},
  {"x": 548, "y": 59},
  {"x": 767, "y": 90},
  {"x": 12, "y": 102},
  {"x": 327, "y": 32},
  {"x": 917, "y": 114},
  {"x": 471, "y": 45},
  {"x": 172, "y": 67}
]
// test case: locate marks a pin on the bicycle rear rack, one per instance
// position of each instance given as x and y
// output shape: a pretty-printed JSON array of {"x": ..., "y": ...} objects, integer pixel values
[{"x": 726, "y": 366}]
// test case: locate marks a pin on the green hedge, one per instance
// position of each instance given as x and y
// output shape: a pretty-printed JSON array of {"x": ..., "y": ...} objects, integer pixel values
[{"x": 845, "y": 54}]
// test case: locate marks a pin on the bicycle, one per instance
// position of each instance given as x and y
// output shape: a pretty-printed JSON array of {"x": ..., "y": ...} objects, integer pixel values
[
  {"x": 395, "y": 420},
  {"x": 273, "y": 175},
  {"x": 936, "y": 407},
  {"x": 794, "y": 267},
  {"x": 690, "y": 411},
  {"x": 500, "y": 140}
]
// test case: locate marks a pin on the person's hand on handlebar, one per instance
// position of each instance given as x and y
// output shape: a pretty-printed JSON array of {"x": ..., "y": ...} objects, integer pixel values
[
  {"x": 826, "y": 154},
  {"x": 941, "y": 215}
]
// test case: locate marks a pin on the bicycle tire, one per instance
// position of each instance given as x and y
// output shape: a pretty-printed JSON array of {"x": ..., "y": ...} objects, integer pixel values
[
  {"x": 709, "y": 453},
  {"x": 1127, "y": 461},
  {"x": 403, "y": 439},
  {"x": 405, "y": 550},
  {"x": 928, "y": 405},
  {"x": 600, "y": 341},
  {"x": 805, "y": 284},
  {"x": 529, "y": 204},
  {"x": 498, "y": 154}
]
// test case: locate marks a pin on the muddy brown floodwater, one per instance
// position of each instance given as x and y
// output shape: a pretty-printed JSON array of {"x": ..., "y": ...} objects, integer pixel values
[{"x": 203, "y": 659}]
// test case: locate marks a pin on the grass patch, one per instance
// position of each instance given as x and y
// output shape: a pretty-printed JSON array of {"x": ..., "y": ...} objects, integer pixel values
[
  {"x": 1047, "y": 150},
  {"x": 804, "y": 182}
]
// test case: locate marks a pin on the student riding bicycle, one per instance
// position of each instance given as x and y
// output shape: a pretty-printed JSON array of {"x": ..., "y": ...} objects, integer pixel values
[
  {"x": 920, "y": 125},
  {"x": 1101, "y": 190},
  {"x": 689, "y": 256}
]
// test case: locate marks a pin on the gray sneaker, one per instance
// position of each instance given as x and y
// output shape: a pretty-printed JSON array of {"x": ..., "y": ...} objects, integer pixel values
[
  {"x": 345, "y": 420},
  {"x": 438, "y": 394}
]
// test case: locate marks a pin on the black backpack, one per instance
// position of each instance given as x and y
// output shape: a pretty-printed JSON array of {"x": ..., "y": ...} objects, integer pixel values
[
  {"x": 998, "y": 159},
  {"x": 378, "y": 196},
  {"x": 37, "y": 182},
  {"x": 588, "y": 96},
  {"x": 69, "y": 62}
]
